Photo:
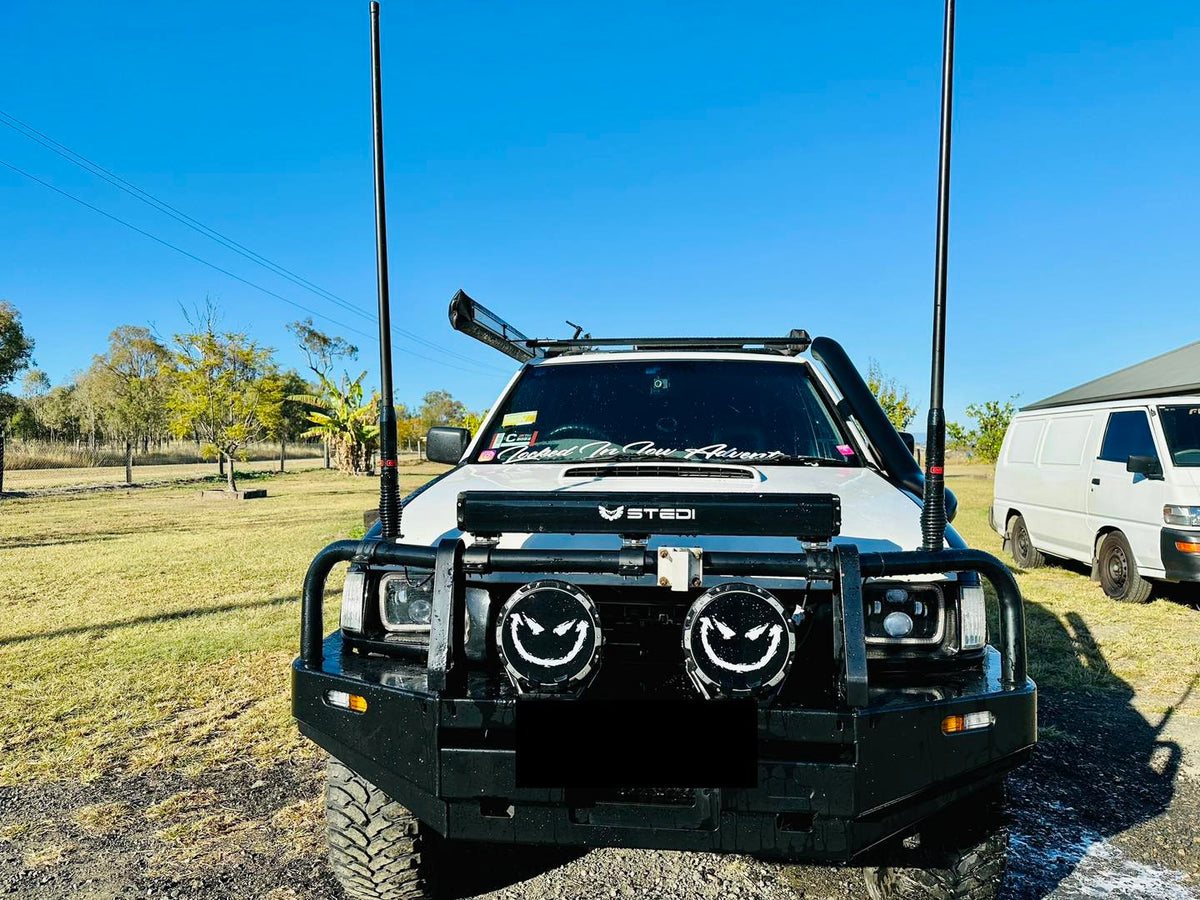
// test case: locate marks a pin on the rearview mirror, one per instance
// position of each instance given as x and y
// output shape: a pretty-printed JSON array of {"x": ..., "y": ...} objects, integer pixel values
[
  {"x": 1148, "y": 466},
  {"x": 446, "y": 445},
  {"x": 909, "y": 441}
]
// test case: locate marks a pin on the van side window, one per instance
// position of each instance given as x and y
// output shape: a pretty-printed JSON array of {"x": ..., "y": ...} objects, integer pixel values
[{"x": 1128, "y": 434}]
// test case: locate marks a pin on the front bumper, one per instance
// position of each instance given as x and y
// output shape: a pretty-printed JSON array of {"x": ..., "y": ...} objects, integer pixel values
[
  {"x": 831, "y": 783},
  {"x": 1177, "y": 564}
]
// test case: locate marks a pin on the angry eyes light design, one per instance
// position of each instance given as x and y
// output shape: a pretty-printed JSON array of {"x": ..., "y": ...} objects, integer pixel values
[
  {"x": 706, "y": 625},
  {"x": 579, "y": 625},
  {"x": 738, "y": 641},
  {"x": 548, "y": 635}
]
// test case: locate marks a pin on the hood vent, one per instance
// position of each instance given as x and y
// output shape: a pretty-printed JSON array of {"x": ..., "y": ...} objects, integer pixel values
[{"x": 657, "y": 470}]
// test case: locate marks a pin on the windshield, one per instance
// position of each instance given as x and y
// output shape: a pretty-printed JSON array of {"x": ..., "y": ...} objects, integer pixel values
[
  {"x": 1181, "y": 426},
  {"x": 696, "y": 410}
]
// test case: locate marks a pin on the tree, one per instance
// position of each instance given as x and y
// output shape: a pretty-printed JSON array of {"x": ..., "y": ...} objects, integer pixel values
[
  {"x": 60, "y": 412},
  {"x": 133, "y": 374},
  {"x": 344, "y": 421},
  {"x": 224, "y": 388},
  {"x": 16, "y": 354},
  {"x": 984, "y": 440},
  {"x": 322, "y": 351},
  {"x": 892, "y": 396},
  {"x": 291, "y": 419},
  {"x": 35, "y": 385},
  {"x": 472, "y": 421},
  {"x": 440, "y": 408}
]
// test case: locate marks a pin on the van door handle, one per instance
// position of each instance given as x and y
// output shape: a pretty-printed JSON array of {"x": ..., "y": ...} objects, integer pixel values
[{"x": 1095, "y": 481}]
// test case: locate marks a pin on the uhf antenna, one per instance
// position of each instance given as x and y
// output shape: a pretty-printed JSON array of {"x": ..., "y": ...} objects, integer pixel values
[
  {"x": 933, "y": 512},
  {"x": 389, "y": 478}
]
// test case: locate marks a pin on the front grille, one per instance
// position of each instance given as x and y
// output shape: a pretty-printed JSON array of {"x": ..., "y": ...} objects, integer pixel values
[{"x": 657, "y": 471}]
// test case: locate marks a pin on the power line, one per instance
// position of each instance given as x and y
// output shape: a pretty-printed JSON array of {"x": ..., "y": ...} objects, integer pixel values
[
  {"x": 93, "y": 168},
  {"x": 223, "y": 271}
]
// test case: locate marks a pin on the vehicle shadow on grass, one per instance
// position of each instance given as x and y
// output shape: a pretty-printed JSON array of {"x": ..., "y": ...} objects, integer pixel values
[
  {"x": 100, "y": 628},
  {"x": 1101, "y": 769}
]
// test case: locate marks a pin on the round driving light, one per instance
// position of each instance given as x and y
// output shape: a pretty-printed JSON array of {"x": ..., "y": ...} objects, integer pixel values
[
  {"x": 548, "y": 635},
  {"x": 896, "y": 595},
  {"x": 738, "y": 641},
  {"x": 898, "y": 624}
]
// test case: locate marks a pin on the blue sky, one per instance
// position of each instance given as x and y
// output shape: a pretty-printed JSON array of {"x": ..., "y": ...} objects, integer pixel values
[{"x": 701, "y": 168}]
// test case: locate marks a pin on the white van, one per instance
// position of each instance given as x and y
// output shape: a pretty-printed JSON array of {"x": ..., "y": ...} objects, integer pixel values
[{"x": 1113, "y": 484}]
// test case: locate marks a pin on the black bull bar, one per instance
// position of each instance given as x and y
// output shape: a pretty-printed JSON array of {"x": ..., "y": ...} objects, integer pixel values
[{"x": 451, "y": 560}]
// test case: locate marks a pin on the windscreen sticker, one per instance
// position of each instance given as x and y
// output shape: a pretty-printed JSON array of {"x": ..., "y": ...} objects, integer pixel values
[
  {"x": 845, "y": 449},
  {"x": 601, "y": 450},
  {"x": 505, "y": 439},
  {"x": 519, "y": 418},
  {"x": 487, "y": 455}
]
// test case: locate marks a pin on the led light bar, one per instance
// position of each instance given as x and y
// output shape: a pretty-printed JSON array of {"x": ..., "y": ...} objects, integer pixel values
[
  {"x": 477, "y": 321},
  {"x": 810, "y": 517}
]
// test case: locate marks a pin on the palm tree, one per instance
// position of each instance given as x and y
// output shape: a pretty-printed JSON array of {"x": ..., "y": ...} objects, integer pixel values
[{"x": 342, "y": 418}]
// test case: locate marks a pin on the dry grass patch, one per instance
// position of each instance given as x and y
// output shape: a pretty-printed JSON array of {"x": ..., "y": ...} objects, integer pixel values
[
  {"x": 178, "y": 804},
  {"x": 46, "y": 855},
  {"x": 101, "y": 818}
]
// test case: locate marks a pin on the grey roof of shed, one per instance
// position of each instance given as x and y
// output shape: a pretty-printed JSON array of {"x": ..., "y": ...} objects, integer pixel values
[{"x": 1176, "y": 372}]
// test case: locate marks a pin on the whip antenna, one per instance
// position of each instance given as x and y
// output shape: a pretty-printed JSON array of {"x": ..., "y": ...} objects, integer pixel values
[
  {"x": 933, "y": 512},
  {"x": 389, "y": 479}
]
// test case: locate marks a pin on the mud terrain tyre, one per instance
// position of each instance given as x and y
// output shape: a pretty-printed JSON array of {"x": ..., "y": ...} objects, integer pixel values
[
  {"x": 1118, "y": 570},
  {"x": 378, "y": 849},
  {"x": 1024, "y": 554},
  {"x": 963, "y": 855}
]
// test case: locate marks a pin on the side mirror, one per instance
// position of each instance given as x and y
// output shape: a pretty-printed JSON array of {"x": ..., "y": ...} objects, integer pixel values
[
  {"x": 446, "y": 445},
  {"x": 909, "y": 441},
  {"x": 1148, "y": 466}
]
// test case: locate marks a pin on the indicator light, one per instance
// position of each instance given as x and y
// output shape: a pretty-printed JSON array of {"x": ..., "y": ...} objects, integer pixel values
[
  {"x": 970, "y": 722},
  {"x": 344, "y": 700}
]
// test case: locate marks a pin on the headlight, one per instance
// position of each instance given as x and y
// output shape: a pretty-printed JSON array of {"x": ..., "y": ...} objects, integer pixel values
[
  {"x": 1188, "y": 516},
  {"x": 902, "y": 613},
  {"x": 738, "y": 641},
  {"x": 406, "y": 601},
  {"x": 973, "y": 617}
]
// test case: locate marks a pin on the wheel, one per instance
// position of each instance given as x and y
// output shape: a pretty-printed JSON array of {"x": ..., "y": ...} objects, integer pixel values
[
  {"x": 378, "y": 849},
  {"x": 1024, "y": 554},
  {"x": 961, "y": 855},
  {"x": 1118, "y": 570}
]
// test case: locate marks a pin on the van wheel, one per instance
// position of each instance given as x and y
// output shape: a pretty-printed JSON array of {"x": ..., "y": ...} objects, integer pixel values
[
  {"x": 962, "y": 855},
  {"x": 1024, "y": 554},
  {"x": 1118, "y": 570},
  {"x": 378, "y": 849}
]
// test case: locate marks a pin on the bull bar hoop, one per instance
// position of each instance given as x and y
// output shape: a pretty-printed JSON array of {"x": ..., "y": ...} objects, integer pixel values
[{"x": 842, "y": 564}]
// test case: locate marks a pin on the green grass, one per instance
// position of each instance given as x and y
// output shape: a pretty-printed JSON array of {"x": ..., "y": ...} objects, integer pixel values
[
  {"x": 1078, "y": 638},
  {"x": 149, "y": 628},
  {"x": 146, "y": 629}
]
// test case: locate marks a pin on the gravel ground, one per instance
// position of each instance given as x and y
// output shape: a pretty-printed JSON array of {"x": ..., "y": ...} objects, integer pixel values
[{"x": 1107, "y": 808}]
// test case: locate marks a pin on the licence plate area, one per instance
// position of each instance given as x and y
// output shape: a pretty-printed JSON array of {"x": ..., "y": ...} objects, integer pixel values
[{"x": 626, "y": 745}]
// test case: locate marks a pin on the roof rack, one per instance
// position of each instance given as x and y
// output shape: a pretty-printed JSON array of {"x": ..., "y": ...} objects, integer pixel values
[
  {"x": 796, "y": 342},
  {"x": 471, "y": 318}
]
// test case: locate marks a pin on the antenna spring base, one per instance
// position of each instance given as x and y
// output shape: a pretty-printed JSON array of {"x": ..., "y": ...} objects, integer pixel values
[{"x": 389, "y": 498}]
